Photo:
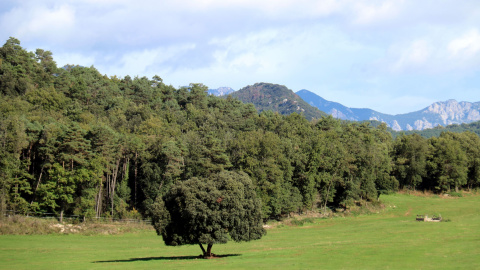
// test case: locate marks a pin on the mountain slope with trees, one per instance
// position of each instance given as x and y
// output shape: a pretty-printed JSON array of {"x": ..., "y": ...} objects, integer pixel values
[{"x": 277, "y": 98}]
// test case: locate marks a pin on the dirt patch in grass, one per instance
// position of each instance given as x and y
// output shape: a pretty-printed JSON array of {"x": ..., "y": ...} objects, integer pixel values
[{"x": 114, "y": 228}]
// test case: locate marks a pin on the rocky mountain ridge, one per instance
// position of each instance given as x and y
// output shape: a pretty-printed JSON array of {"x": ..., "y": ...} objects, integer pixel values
[{"x": 439, "y": 113}]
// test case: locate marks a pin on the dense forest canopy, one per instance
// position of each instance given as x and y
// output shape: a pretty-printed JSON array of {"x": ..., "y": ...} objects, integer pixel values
[{"x": 77, "y": 142}]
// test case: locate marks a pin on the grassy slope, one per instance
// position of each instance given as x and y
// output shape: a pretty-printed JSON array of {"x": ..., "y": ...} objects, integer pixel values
[{"x": 391, "y": 239}]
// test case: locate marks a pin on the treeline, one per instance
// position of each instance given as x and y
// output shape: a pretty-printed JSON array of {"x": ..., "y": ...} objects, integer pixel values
[
  {"x": 76, "y": 142},
  {"x": 436, "y": 131}
]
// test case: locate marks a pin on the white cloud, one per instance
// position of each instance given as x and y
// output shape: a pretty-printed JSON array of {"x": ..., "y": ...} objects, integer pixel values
[
  {"x": 274, "y": 8},
  {"x": 63, "y": 59},
  {"x": 298, "y": 59},
  {"x": 37, "y": 21},
  {"x": 248, "y": 51},
  {"x": 437, "y": 52},
  {"x": 415, "y": 56},
  {"x": 368, "y": 13},
  {"x": 466, "y": 46},
  {"x": 147, "y": 62}
]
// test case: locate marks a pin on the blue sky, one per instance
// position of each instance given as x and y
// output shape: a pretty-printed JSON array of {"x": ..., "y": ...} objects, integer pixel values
[{"x": 390, "y": 56}]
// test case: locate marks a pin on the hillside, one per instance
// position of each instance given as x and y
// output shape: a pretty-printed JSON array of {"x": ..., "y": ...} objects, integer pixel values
[
  {"x": 437, "y": 114},
  {"x": 277, "y": 98}
]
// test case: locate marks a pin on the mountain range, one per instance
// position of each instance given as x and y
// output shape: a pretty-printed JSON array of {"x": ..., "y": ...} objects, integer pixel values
[
  {"x": 221, "y": 91},
  {"x": 438, "y": 114},
  {"x": 267, "y": 96}
]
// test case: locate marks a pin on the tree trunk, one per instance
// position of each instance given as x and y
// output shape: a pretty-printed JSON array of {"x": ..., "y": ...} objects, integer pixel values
[
  {"x": 61, "y": 216},
  {"x": 3, "y": 203},
  {"x": 208, "y": 253},
  {"x": 328, "y": 192},
  {"x": 209, "y": 250},
  {"x": 98, "y": 201},
  {"x": 29, "y": 156},
  {"x": 135, "y": 178},
  {"x": 113, "y": 183},
  {"x": 203, "y": 249},
  {"x": 39, "y": 180}
]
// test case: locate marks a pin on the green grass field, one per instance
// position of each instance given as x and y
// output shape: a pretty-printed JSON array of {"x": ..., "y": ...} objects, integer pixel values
[{"x": 391, "y": 239}]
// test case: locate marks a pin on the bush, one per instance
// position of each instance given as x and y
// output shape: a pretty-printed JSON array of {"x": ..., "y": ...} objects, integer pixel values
[
  {"x": 301, "y": 222},
  {"x": 455, "y": 194}
]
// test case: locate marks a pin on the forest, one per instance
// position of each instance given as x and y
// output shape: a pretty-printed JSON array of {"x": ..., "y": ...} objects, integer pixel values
[{"x": 76, "y": 142}]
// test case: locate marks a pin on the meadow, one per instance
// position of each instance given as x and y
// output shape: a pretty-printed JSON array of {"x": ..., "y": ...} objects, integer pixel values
[{"x": 389, "y": 239}]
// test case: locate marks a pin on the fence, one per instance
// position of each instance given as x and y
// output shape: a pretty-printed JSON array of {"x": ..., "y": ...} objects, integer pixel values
[{"x": 78, "y": 219}]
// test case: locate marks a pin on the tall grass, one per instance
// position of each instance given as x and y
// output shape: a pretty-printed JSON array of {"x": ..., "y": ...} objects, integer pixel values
[{"x": 24, "y": 225}]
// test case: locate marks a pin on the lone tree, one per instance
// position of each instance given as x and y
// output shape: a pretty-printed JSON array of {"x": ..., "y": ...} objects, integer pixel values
[{"x": 209, "y": 211}]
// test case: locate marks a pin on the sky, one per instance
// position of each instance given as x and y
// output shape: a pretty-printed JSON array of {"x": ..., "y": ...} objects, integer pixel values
[{"x": 393, "y": 56}]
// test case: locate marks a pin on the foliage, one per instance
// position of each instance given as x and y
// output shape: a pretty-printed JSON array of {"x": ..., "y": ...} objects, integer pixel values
[
  {"x": 410, "y": 159},
  {"x": 209, "y": 211},
  {"x": 301, "y": 222}
]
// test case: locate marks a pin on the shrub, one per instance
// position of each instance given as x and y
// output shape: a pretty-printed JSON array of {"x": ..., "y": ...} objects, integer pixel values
[
  {"x": 455, "y": 194},
  {"x": 301, "y": 222}
]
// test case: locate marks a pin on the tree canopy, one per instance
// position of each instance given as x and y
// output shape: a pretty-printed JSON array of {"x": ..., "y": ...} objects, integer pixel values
[{"x": 209, "y": 211}]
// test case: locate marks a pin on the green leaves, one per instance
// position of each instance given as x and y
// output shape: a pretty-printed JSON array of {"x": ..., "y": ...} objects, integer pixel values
[
  {"x": 209, "y": 211},
  {"x": 448, "y": 163}
]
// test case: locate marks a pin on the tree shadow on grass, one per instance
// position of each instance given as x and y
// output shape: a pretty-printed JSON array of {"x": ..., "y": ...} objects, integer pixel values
[{"x": 172, "y": 258}]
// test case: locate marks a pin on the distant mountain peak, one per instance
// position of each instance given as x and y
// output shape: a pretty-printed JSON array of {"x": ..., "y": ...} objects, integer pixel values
[
  {"x": 439, "y": 113},
  {"x": 277, "y": 98},
  {"x": 221, "y": 91}
]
